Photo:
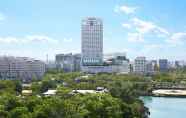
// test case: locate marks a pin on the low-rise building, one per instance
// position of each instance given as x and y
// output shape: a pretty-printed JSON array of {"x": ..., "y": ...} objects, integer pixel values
[
  {"x": 50, "y": 65},
  {"x": 151, "y": 67},
  {"x": 23, "y": 68},
  {"x": 26, "y": 92},
  {"x": 68, "y": 62},
  {"x": 116, "y": 63},
  {"x": 50, "y": 93}
]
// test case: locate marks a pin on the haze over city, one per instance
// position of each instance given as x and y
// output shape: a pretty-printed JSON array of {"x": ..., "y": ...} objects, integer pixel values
[{"x": 139, "y": 28}]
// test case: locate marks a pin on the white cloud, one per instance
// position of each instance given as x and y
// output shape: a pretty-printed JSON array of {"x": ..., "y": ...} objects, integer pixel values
[
  {"x": 135, "y": 37},
  {"x": 40, "y": 38},
  {"x": 9, "y": 40},
  {"x": 148, "y": 49},
  {"x": 67, "y": 39},
  {"x": 126, "y": 25},
  {"x": 27, "y": 39},
  {"x": 125, "y": 9},
  {"x": 177, "y": 38},
  {"x": 144, "y": 28},
  {"x": 148, "y": 27}
]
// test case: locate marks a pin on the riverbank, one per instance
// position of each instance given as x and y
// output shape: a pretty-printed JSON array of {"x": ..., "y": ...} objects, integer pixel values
[{"x": 169, "y": 93}]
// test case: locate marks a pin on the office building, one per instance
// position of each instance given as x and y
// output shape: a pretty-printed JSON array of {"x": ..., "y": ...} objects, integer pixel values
[
  {"x": 163, "y": 65},
  {"x": 68, "y": 62},
  {"x": 22, "y": 68},
  {"x": 121, "y": 63},
  {"x": 155, "y": 65},
  {"x": 114, "y": 64},
  {"x": 50, "y": 65},
  {"x": 92, "y": 41},
  {"x": 150, "y": 67},
  {"x": 140, "y": 65}
]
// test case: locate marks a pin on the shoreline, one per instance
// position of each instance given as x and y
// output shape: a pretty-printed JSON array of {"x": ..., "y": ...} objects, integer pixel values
[{"x": 169, "y": 93}]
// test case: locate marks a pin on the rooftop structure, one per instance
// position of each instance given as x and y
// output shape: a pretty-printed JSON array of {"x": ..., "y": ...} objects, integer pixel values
[{"x": 50, "y": 92}]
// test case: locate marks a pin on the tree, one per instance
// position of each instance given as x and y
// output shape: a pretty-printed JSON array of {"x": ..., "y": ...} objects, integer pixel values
[
  {"x": 32, "y": 102},
  {"x": 3, "y": 114},
  {"x": 18, "y": 86},
  {"x": 47, "y": 84},
  {"x": 63, "y": 92},
  {"x": 11, "y": 102},
  {"x": 20, "y": 112},
  {"x": 99, "y": 105}
]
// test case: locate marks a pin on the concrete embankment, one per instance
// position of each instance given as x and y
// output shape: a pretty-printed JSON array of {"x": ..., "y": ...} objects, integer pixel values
[{"x": 169, "y": 93}]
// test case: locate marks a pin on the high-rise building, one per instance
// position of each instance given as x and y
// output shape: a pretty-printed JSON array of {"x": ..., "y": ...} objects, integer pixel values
[
  {"x": 92, "y": 41},
  {"x": 140, "y": 65},
  {"x": 92, "y": 50},
  {"x": 163, "y": 65}
]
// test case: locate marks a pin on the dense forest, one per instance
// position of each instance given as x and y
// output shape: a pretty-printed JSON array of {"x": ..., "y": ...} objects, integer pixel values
[{"x": 121, "y": 100}]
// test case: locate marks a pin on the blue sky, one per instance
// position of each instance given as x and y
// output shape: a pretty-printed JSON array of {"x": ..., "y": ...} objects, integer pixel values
[{"x": 151, "y": 28}]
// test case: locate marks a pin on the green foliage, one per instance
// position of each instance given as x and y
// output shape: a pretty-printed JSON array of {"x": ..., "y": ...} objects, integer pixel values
[
  {"x": 36, "y": 88},
  {"x": 120, "y": 102},
  {"x": 20, "y": 112},
  {"x": 63, "y": 92},
  {"x": 102, "y": 106},
  {"x": 47, "y": 84},
  {"x": 11, "y": 102},
  {"x": 18, "y": 86},
  {"x": 3, "y": 114}
]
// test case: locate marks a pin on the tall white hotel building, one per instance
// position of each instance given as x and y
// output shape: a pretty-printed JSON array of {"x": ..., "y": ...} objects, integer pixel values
[
  {"x": 92, "y": 49},
  {"x": 92, "y": 41}
]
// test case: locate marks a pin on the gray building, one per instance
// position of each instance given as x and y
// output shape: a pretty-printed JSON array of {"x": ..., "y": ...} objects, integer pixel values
[
  {"x": 140, "y": 65},
  {"x": 50, "y": 65},
  {"x": 163, "y": 65},
  {"x": 23, "y": 68},
  {"x": 120, "y": 62},
  {"x": 68, "y": 62},
  {"x": 92, "y": 41},
  {"x": 150, "y": 67}
]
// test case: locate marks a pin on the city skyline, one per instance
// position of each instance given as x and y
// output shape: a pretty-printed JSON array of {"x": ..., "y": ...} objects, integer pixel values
[{"x": 139, "y": 28}]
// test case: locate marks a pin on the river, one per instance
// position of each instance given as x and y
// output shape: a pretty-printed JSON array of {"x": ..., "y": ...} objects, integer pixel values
[{"x": 165, "y": 107}]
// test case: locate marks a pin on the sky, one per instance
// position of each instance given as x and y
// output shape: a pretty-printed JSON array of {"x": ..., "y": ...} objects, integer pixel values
[{"x": 151, "y": 28}]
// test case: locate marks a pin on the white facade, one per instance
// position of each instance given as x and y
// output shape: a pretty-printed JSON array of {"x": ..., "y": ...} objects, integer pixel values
[
  {"x": 92, "y": 49},
  {"x": 21, "y": 68},
  {"x": 92, "y": 41},
  {"x": 140, "y": 65}
]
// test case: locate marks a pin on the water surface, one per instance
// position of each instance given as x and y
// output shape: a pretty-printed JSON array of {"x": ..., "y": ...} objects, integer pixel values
[{"x": 164, "y": 107}]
